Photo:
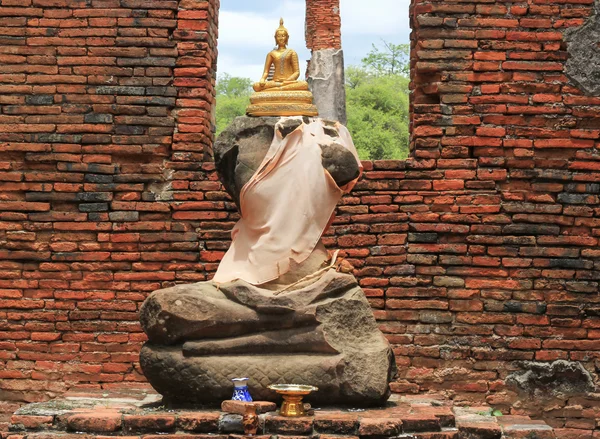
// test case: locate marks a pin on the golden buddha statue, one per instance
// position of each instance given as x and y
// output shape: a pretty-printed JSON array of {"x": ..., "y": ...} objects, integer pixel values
[{"x": 281, "y": 94}]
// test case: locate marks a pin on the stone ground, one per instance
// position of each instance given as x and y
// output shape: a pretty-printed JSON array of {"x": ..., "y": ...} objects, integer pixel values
[{"x": 140, "y": 414}]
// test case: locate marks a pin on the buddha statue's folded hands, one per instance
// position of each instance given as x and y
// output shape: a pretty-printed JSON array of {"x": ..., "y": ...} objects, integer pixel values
[{"x": 282, "y": 94}]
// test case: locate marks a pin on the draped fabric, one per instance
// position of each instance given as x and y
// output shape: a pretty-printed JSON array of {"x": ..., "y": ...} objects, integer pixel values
[{"x": 285, "y": 207}]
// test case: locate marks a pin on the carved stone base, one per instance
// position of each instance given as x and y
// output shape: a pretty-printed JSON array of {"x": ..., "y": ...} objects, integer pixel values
[
  {"x": 208, "y": 379},
  {"x": 294, "y": 96}
]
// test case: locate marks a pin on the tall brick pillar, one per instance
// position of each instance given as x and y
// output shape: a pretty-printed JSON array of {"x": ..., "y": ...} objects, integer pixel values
[
  {"x": 326, "y": 70},
  {"x": 195, "y": 79}
]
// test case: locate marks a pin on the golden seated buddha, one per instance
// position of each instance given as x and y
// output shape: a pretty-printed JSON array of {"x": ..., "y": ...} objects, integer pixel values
[{"x": 281, "y": 94}]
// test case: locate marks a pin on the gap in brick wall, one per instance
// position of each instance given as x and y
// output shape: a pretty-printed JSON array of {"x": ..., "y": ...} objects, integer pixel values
[{"x": 364, "y": 26}]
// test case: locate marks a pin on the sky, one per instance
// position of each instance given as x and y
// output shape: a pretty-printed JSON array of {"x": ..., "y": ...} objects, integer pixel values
[{"x": 246, "y": 29}]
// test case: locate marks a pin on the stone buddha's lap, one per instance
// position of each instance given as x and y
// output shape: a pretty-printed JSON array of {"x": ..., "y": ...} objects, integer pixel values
[{"x": 273, "y": 86}]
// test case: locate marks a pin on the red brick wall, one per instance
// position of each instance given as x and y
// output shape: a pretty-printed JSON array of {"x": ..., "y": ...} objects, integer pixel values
[
  {"x": 500, "y": 205},
  {"x": 323, "y": 24},
  {"x": 477, "y": 253},
  {"x": 104, "y": 127}
]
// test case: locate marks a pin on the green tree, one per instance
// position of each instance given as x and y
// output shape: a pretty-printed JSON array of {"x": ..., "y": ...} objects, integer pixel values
[
  {"x": 232, "y": 99},
  {"x": 378, "y": 117},
  {"x": 235, "y": 86},
  {"x": 392, "y": 59},
  {"x": 356, "y": 76},
  {"x": 377, "y": 103}
]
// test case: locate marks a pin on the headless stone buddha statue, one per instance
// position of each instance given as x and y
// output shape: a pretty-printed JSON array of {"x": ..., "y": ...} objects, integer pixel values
[
  {"x": 282, "y": 94},
  {"x": 279, "y": 309}
]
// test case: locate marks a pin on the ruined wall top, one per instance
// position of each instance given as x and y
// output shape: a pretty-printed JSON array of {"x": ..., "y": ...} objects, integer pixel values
[{"x": 323, "y": 24}]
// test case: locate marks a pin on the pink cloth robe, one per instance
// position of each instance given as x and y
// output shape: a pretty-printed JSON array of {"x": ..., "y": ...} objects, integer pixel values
[{"x": 285, "y": 207}]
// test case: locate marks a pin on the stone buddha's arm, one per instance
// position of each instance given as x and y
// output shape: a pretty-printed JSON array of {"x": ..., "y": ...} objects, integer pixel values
[
  {"x": 295, "y": 67},
  {"x": 265, "y": 75}
]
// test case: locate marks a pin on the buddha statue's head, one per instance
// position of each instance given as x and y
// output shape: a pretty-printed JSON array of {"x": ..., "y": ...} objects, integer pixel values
[{"x": 281, "y": 35}]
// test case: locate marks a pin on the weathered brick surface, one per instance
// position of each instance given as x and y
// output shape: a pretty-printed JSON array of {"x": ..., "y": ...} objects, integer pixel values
[
  {"x": 501, "y": 201},
  {"x": 323, "y": 24},
  {"x": 479, "y": 252},
  {"x": 104, "y": 128},
  {"x": 132, "y": 417}
]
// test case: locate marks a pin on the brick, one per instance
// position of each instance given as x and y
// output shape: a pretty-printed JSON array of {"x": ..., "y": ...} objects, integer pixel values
[
  {"x": 32, "y": 421},
  {"x": 148, "y": 423},
  {"x": 286, "y": 425},
  {"x": 207, "y": 422},
  {"x": 482, "y": 429},
  {"x": 437, "y": 435},
  {"x": 97, "y": 422},
  {"x": 239, "y": 407},
  {"x": 573, "y": 433},
  {"x": 336, "y": 422},
  {"x": 379, "y": 427}
]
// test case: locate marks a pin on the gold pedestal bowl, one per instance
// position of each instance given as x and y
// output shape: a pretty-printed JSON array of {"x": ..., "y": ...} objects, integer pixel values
[{"x": 292, "y": 405}]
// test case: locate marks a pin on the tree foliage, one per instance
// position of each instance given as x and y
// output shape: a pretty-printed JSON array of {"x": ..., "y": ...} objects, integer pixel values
[
  {"x": 376, "y": 96},
  {"x": 377, "y": 103},
  {"x": 232, "y": 99},
  {"x": 378, "y": 117},
  {"x": 233, "y": 86},
  {"x": 393, "y": 59}
]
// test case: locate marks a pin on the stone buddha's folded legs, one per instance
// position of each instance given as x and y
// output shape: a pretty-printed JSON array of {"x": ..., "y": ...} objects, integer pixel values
[
  {"x": 182, "y": 313},
  {"x": 298, "y": 85},
  {"x": 308, "y": 339}
]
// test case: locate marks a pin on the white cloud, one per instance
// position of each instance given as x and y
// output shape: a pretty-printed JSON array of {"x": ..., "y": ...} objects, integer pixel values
[
  {"x": 377, "y": 17},
  {"x": 252, "y": 29},
  {"x": 236, "y": 67}
]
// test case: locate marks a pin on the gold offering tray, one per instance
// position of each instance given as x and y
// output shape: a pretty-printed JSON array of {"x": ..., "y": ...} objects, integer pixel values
[{"x": 292, "y": 398}]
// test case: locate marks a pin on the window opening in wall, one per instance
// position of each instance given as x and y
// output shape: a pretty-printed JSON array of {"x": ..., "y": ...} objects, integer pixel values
[{"x": 375, "y": 38}]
